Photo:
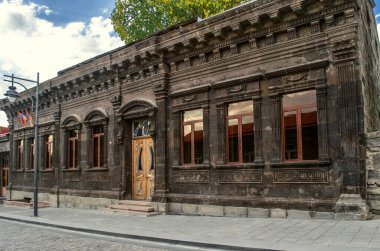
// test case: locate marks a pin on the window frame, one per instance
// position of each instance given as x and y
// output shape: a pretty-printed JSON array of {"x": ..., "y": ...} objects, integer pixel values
[
  {"x": 20, "y": 154},
  {"x": 239, "y": 117},
  {"x": 298, "y": 110},
  {"x": 31, "y": 142},
  {"x": 100, "y": 148},
  {"x": 192, "y": 124},
  {"x": 48, "y": 159},
  {"x": 75, "y": 148}
]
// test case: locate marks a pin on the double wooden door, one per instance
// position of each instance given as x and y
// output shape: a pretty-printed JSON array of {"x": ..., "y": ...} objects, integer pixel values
[{"x": 143, "y": 168}]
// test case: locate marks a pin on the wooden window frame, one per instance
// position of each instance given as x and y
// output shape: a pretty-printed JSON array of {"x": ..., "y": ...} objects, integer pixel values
[
  {"x": 20, "y": 154},
  {"x": 96, "y": 164},
  {"x": 192, "y": 124},
  {"x": 31, "y": 154},
  {"x": 48, "y": 162},
  {"x": 298, "y": 110},
  {"x": 239, "y": 117},
  {"x": 72, "y": 141}
]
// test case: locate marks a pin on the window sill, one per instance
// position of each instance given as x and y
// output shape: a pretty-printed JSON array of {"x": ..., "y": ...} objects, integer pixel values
[
  {"x": 193, "y": 167},
  {"x": 29, "y": 171},
  {"x": 313, "y": 163},
  {"x": 51, "y": 170},
  {"x": 19, "y": 171},
  {"x": 97, "y": 169},
  {"x": 71, "y": 170},
  {"x": 240, "y": 165}
]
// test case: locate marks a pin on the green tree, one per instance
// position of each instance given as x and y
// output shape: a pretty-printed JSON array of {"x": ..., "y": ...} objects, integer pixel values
[{"x": 136, "y": 19}]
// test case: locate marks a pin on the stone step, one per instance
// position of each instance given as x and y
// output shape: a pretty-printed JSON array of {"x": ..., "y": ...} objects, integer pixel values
[
  {"x": 131, "y": 213},
  {"x": 145, "y": 209},
  {"x": 25, "y": 204},
  {"x": 135, "y": 203}
]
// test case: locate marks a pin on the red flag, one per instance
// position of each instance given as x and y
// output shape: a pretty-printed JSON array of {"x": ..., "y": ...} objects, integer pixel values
[
  {"x": 30, "y": 119},
  {"x": 22, "y": 119}
]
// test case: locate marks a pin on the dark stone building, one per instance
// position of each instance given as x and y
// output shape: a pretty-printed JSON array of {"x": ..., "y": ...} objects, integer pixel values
[{"x": 263, "y": 106}]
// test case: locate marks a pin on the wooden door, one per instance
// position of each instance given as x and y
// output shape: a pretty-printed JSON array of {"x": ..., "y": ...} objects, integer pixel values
[{"x": 143, "y": 168}]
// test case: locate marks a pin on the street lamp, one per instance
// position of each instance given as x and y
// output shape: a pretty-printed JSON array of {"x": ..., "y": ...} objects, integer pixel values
[{"x": 12, "y": 94}]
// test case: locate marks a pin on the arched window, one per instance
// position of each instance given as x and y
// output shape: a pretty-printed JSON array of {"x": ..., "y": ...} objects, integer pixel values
[
  {"x": 96, "y": 123},
  {"x": 71, "y": 130}
]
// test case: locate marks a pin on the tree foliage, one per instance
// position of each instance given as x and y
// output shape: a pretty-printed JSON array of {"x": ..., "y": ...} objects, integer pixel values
[{"x": 136, "y": 19}]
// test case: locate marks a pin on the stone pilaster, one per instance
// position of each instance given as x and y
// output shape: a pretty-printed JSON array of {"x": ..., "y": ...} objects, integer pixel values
[
  {"x": 276, "y": 127},
  {"x": 176, "y": 125},
  {"x": 257, "y": 130},
  {"x": 323, "y": 145},
  {"x": 160, "y": 89},
  {"x": 206, "y": 134},
  {"x": 221, "y": 117}
]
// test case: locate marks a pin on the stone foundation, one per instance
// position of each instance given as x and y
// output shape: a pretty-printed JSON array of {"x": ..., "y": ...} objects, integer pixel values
[
  {"x": 66, "y": 201},
  {"x": 373, "y": 167},
  {"x": 248, "y": 212}
]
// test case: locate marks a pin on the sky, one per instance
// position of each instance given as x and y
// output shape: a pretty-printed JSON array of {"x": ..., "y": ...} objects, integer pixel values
[{"x": 47, "y": 36}]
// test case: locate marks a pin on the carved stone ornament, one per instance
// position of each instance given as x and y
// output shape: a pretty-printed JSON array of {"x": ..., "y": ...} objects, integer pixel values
[
  {"x": 236, "y": 89},
  {"x": 240, "y": 176},
  {"x": 307, "y": 175},
  {"x": 295, "y": 78},
  {"x": 189, "y": 98},
  {"x": 116, "y": 101},
  {"x": 191, "y": 177}
]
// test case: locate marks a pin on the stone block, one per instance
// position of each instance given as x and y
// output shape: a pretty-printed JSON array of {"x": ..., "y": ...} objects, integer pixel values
[
  {"x": 373, "y": 142},
  {"x": 349, "y": 204},
  {"x": 175, "y": 208},
  {"x": 235, "y": 211},
  {"x": 278, "y": 213},
  {"x": 298, "y": 214},
  {"x": 324, "y": 215},
  {"x": 210, "y": 210},
  {"x": 344, "y": 216},
  {"x": 258, "y": 213},
  {"x": 190, "y": 209}
]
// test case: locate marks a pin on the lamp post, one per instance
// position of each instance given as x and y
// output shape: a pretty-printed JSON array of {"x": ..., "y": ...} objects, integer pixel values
[{"x": 12, "y": 94}]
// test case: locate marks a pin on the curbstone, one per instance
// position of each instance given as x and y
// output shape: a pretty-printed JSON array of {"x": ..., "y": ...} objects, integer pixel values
[
  {"x": 175, "y": 208},
  {"x": 324, "y": 215},
  {"x": 235, "y": 211},
  {"x": 298, "y": 214},
  {"x": 209, "y": 210},
  {"x": 258, "y": 213},
  {"x": 190, "y": 209},
  {"x": 278, "y": 213}
]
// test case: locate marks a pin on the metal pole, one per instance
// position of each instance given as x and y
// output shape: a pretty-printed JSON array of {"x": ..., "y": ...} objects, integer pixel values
[{"x": 35, "y": 201}]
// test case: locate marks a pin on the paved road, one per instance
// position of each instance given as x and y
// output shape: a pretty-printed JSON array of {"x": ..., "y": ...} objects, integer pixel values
[{"x": 19, "y": 236}]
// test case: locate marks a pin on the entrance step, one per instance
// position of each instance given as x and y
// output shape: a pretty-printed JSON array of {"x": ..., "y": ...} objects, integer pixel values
[
  {"x": 135, "y": 202},
  {"x": 133, "y": 208},
  {"x": 146, "y": 209}
]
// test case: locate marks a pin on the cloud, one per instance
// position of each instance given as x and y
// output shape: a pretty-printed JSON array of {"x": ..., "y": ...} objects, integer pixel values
[{"x": 30, "y": 44}]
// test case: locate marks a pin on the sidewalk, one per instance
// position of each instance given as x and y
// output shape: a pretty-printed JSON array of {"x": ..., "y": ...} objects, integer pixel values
[{"x": 212, "y": 232}]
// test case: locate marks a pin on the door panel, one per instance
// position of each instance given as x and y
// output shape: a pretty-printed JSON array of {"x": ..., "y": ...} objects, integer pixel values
[{"x": 143, "y": 168}]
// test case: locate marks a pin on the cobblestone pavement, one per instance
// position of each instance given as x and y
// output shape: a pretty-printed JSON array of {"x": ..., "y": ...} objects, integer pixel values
[
  {"x": 19, "y": 236},
  {"x": 270, "y": 233}
]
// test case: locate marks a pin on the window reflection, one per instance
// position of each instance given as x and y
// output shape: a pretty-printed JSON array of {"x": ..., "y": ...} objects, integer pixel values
[
  {"x": 72, "y": 149},
  {"x": 98, "y": 146},
  {"x": 300, "y": 127},
  {"x": 240, "y": 130},
  {"x": 49, "y": 151},
  {"x": 192, "y": 137}
]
